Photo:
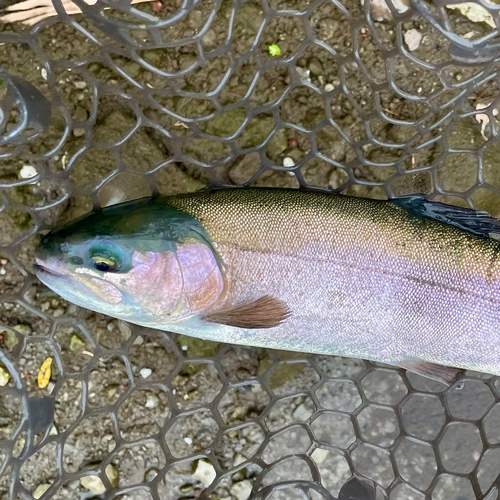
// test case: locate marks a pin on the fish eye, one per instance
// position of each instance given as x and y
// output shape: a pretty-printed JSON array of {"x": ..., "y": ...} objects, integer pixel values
[
  {"x": 104, "y": 263},
  {"x": 106, "y": 256}
]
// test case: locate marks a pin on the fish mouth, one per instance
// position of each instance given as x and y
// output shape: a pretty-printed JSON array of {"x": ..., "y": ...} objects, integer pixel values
[
  {"x": 44, "y": 269},
  {"x": 39, "y": 269}
]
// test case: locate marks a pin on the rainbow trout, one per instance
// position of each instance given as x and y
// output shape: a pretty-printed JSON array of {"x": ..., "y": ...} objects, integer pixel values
[{"x": 407, "y": 282}]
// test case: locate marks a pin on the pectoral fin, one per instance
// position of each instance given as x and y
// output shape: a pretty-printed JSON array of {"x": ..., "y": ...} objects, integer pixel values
[
  {"x": 265, "y": 312},
  {"x": 445, "y": 374}
]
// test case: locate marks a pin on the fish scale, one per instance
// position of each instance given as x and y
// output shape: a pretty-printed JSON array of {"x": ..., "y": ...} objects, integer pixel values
[{"x": 363, "y": 278}]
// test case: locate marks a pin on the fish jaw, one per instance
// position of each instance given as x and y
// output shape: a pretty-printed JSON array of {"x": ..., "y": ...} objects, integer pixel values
[{"x": 79, "y": 290}]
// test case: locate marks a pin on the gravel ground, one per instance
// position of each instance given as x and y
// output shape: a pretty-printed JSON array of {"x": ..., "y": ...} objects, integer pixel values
[{"x": 159, "y": 415}]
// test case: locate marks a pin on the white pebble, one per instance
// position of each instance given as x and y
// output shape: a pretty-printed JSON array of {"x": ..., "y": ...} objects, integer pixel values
[
  {"x": 146, "y": 372},
  {"x": 242, "y": 489},
  {"x": 44, "y": 73},
  {"x": 301, "y": 413},
  {"x": 319, "y": 455},
  {"x": 412, "y": 39},
  {"x": 304, "y": 74},
  {"x": 184, "y": 347},
  {"x": 288, "y": 162},
  {"x": 27, "y": 172},
  {"x": 151, "y": 401},
  {"x": 93, "y": 484},
  {"x": 138, "y": 341},
  {"x": 205, "y": 473},
  {"x": 188, "y": 440},
  {"x": 329, "y": 87},
  {"x": 80, "y": 85}
]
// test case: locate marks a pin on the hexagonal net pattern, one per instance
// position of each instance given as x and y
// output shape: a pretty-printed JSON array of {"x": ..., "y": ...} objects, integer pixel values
[{"x": 371, "y": 99}]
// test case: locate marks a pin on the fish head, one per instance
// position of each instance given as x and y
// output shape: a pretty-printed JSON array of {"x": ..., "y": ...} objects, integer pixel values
[{"x": 142, "y": 261}]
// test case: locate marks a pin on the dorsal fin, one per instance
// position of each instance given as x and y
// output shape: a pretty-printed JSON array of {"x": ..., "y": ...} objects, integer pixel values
[
  {"x": 265, "y": 312},
  {"x": 479, "y": 223}
]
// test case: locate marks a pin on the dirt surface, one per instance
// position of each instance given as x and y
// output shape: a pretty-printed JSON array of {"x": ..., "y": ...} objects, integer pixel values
[{"x": 125, "y": 398}]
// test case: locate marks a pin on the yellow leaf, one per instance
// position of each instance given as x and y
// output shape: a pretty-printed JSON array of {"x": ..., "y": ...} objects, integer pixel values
[{"x": 44, "y": 373}]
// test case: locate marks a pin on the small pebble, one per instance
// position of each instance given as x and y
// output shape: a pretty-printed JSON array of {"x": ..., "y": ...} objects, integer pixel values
[
  {"x": 304, "y": 73},
  {"x": 23, "y": 329},
  {"x": 93, "y": 484},
  {"x": 40, "y": 490},
  {"x": 188, "y": 440},
  {"x": 27, "y": 172},
  {"x": 288, "y": 162},
  {"x": 125, "y": 330},
  {"x": 210, "y": 38},
  {"x": 151, "y": 401},
  {"x": 319, "y": 455},
  {"x": 150, "y": 475},
  {"x": 112, "y": 473},
  {"x": 138, "y": 341},
  {"x": 58, "y": 312},
  {"x": 80, "y": 114},
  {"x": 329, "y": 87},
  {"x": 80, "y": 85},
  {"x": 43, "y": 71},
  {"x": 315, "y": 66},
  {"x": 412, "y": 39},
  {"x": 146, "y": 372},
  {"x": 205, "y": 473},
  {"x": 242, "y": 490},
  {"x": 79, "y": 132},
  {"x": 301, "y": 413}
]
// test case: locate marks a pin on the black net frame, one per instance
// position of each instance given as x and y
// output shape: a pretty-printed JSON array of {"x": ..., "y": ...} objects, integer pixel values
[{"x": 347, "y": 105}]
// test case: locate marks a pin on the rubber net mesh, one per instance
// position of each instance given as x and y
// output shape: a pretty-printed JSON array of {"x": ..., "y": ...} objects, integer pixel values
[{"x": 169, "y": 96}]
